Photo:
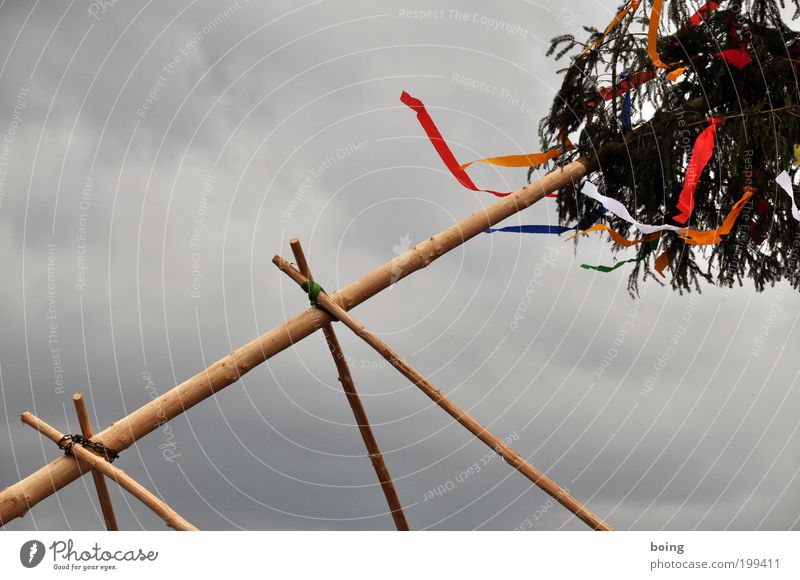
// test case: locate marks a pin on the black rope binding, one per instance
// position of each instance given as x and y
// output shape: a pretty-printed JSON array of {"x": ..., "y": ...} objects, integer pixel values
[{"x": 67, "y": 441}]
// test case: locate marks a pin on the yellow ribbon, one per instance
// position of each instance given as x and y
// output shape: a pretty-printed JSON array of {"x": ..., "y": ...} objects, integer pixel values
[
  {"x": 652, "y": 37},
  {"x": 797, "y": 154}
]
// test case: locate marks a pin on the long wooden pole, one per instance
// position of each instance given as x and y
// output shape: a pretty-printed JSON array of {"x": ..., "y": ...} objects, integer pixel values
[
  {"x": 17, "y": 499},
  {"x": 346, "y": 378},
  {"x": 99, "y": 481},
  {"x": 511, "y": 457},
  {"x": 83, "y": 458}
]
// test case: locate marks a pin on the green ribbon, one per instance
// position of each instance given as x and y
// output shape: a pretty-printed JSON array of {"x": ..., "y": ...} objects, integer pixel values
[
  {"x": 313, "y": 290},
  {"x": 607, "y": 269},
  {"x": 652, "y": 244}
]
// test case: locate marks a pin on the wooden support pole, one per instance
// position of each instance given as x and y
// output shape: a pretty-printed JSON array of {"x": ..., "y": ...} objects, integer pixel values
[
  {"x": 99, "y": 480},
  {"x": 375, "y": 455},
  {"x": 17, "y": 499},
  {"x": 511, "y": 457},
  {"x": 86, "y": 459}
]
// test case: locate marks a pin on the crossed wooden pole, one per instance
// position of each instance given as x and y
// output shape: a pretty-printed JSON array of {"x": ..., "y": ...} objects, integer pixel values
[
  {"x": 360, "y": 414},
  {"x": 99, "y": 480},
  {"x": 509, "y": 455},
  {"x": 101, "y": 466},
  {"x": 17, "y": 499}
]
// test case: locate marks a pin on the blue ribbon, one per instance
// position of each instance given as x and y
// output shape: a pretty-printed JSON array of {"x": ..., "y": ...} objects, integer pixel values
[
  {"x": 627, "y": 106},
  {"x": 533, "y": 229},
  {"x": 585, "y": 223}
]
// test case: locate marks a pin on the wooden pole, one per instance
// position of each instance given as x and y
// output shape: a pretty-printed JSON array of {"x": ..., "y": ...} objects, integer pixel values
[
  {"x": 99, "y": 481},
  {"x": 511, "y": 457},
  {"x": 86, "y": 459},
  {"x": 375, "y": 455},
  {"x": 17, "y": 499}
]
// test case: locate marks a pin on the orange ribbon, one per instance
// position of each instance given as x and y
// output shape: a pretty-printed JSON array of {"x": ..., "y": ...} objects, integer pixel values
[
  {"x": 664, "y": 260},
  {"x": 692, "y": 237},
  {"x": 675, "y": 74},
  {"x": 614, "y": 23},
  {"x": 529, "y": 160},
  {"x": 711, "y": 237},
  {"x": 652, "y": 37},
  {"x": 617, "y": 237}
]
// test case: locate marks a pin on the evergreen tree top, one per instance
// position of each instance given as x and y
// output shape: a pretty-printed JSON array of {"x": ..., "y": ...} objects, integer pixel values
[{"x": 741, "y": 66}]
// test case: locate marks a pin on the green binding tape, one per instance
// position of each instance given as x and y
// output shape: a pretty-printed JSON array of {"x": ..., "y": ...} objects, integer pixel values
[{"x": 312, "y": 289}]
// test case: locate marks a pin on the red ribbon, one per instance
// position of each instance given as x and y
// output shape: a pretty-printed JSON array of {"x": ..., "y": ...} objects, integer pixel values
[
  {"x": 738, "y": 57},
  {"x": 701, "y": 155},
  {"x": 624, "y": 86},
  {"x": 441, "y": 146},
  {"x": 703, "y": 13}
]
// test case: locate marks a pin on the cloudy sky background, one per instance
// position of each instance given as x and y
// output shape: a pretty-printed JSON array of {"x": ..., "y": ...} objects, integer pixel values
[{"x": 243, "y": 118}]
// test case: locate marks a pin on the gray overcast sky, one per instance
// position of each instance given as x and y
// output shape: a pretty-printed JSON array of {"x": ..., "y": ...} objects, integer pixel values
[{"x": 162, "y": 152}]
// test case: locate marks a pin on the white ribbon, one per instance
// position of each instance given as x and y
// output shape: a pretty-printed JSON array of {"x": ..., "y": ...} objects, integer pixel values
[
  {"x": 786, "y": 184},
  {"x": 615, "y": 207}
]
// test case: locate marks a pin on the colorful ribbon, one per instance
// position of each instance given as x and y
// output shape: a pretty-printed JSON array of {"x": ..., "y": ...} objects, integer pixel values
[
  {"x": 615, "y": 207},
  {"x": 701, "y": 155},
  {"x": 652, "y": 36},
  {"x": 530, "y": 229},
  {"x": 711, "y": 237},
  {"x": 635, "y": 80},
  {"x": 627, "y": 83},
  {"x": 797, "y": 154},
  {"x": 702, "y": 13},
  {"x": 457, "y": 170},
  {"x": 526, "y": 160},
  {"x": 738, "y": 57},
  {"x": 625, "y": 117},
  {"x": 529, "y": 160},
  {"x": 614, "y": 23},
  {"x": 652, "y": 39},
  {"x": 618, "y": 237},
  {"x": 673, "y": 76},
  {"x": 692, "y": 237},
  {"x": 607, "y": 269},
  {"x": 786, "y": 184},
  {"x": 438, "y": 142},
  {"x": 664, "y": 260},
  {"x": 584, "y": 223}
]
